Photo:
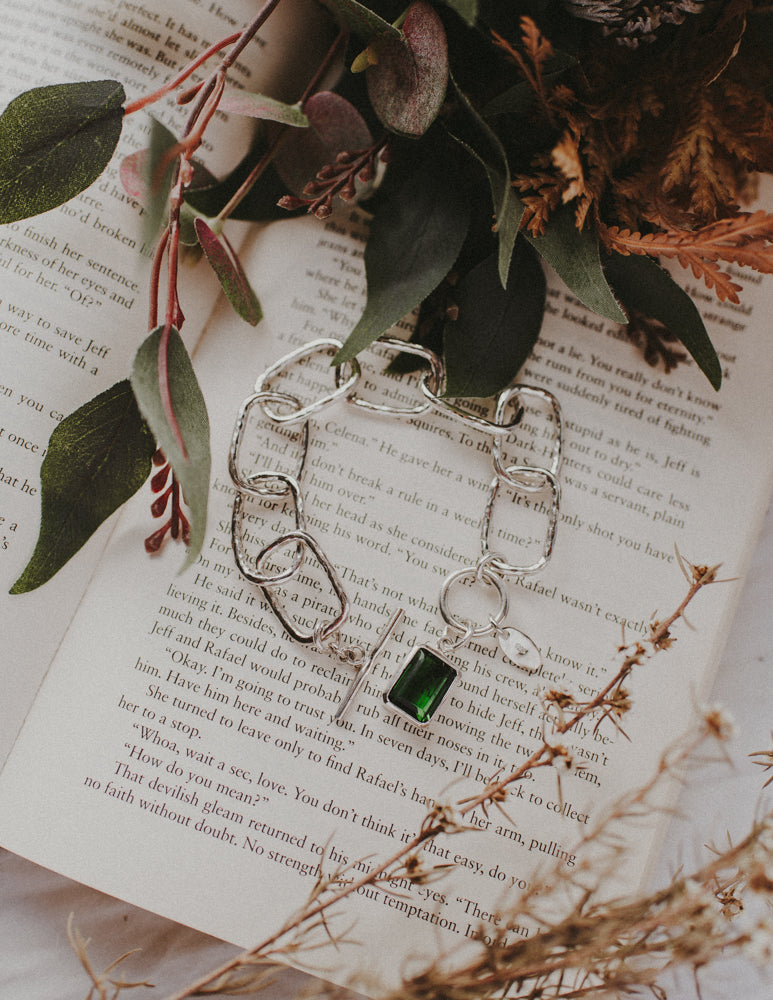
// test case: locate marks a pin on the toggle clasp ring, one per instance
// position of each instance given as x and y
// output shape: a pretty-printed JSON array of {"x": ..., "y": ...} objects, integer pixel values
[{"x": 476, "y": 574}]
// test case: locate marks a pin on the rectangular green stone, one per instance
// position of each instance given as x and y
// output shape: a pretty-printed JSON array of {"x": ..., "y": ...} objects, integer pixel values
[{"x": 422, "y": 684}]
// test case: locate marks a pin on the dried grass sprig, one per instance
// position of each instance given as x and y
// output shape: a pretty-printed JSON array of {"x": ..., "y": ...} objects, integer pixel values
[
  {"x": 580, "y": 963},
  {"x": 104, "y": 985},
  {"x": 765, "y": 761},
  {"x": 615, "y": 948}
]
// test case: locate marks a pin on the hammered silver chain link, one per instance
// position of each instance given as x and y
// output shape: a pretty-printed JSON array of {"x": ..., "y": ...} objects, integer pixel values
[{"x": 285, "y": 411}]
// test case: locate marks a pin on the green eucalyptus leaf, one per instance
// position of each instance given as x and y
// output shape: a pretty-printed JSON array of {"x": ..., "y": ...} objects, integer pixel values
[
  {"x": 466, "y": 9},
  {"x": 54, "y": 142},
  {"x": 574, "y": 256},
  {"x": 188, "y": 218},
  {"x": 191, "y": 460},
  {"x": 408, "y": 83},
  {"x": 644, "y": 285},
  {"x": 97, "y": 458},
  {"x": 243, "y": 102},
  {"x": 414, "y": 241},
  {"x": 496, "y": 328},
  {"x": 230, "y": 272},
  {"x": 365, "y": 23},
  {"x": 470, "y": 130}
]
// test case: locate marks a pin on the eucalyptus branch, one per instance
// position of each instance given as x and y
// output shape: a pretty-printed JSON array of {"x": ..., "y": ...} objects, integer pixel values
[
  {"x": 171, "y": 85},
  {"x": 450, "y": 819},
  {"x": 201, "y": 114},
  {"x": 260, "y": 167}
]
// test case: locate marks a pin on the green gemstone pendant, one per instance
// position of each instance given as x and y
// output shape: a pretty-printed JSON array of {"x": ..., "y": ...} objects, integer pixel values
[{"x": 421, "y": 685}]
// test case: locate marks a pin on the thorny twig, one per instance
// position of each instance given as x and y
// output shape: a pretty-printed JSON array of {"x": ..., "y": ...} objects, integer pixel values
[
  {"x": 443, "y": 818},
  {"x": 104, "y": 985}
]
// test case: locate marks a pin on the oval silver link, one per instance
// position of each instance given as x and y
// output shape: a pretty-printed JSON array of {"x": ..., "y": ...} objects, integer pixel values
[
  {"x": 470, "y": 419},
  {"x": 524, "y": 478},
  {"x": 521, "y": 476},
  {"x": 257, "y": 399},
  {"x": 497, "y": 562},
  {"x": 237, "y": 528},
  {"x": 479, "y": 574},
  {"x": 406, "y": 347},
  {"x": 305, "y": 351},
  {"x": 320, "y": 632}
]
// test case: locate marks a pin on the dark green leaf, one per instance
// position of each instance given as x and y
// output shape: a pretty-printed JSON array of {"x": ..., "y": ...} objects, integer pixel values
[
  {"x": 407, "y": 84},
  {"x": 466, "y": 9},
  {"x": 363, "y": 22},
  {"x": 644, "y": 285},
  {"x": 496, "y": 328},
  {"x": 54, "y": 142},
  {"x": 520, "y": 98},
  {"x": 97, "y": 458},
  {"x": 474, "y": 135},
  {"x": 574, "y": 256},
  {"x": 230, "y": 273},
  {"x": 414, "y": 241},
  {"x": 191, "y": 461}
]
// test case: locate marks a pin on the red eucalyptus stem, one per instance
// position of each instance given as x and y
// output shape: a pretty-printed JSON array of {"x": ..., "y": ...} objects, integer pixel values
[
  {"x": 155, "y": 280},
  {"x": 206, "y": 105},
  {"x": 182, "y": 76}
]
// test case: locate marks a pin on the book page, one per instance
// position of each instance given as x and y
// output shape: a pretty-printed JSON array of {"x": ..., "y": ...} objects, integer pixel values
[
  {"x": 73, "y": 282},
  {"x": 204, "y": 773}
]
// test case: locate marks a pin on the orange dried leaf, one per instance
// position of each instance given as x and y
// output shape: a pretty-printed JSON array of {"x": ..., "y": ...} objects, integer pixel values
[{"x": 566, "y": 158}]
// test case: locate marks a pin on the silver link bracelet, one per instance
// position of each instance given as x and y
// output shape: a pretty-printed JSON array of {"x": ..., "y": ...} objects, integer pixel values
[{"x": 427, "y": 673}]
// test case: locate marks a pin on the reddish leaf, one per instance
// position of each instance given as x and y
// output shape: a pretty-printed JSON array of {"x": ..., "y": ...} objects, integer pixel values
[
  {"x": 229, "y": 273},
  {"x": 335, "y": 126},
  {"x": 408, "y": 83},
  {"x": 132, "y": 174}
]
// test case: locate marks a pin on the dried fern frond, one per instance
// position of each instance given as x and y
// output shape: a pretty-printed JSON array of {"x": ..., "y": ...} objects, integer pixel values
[
  {"x": 654, "y": 340},
  {"x": 538, "y": 50},
  {"x": 744, "y": 240},
  {"x": 540, "y": 196},
  {"x": 565, "y": 156}
]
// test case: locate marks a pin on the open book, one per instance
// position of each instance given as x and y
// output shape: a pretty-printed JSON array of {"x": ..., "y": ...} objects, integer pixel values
[{"x": 164, "y": 740}]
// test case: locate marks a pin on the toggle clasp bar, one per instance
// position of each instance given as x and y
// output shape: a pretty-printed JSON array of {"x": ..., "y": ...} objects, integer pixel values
[{"x": 367, "y": 666}]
